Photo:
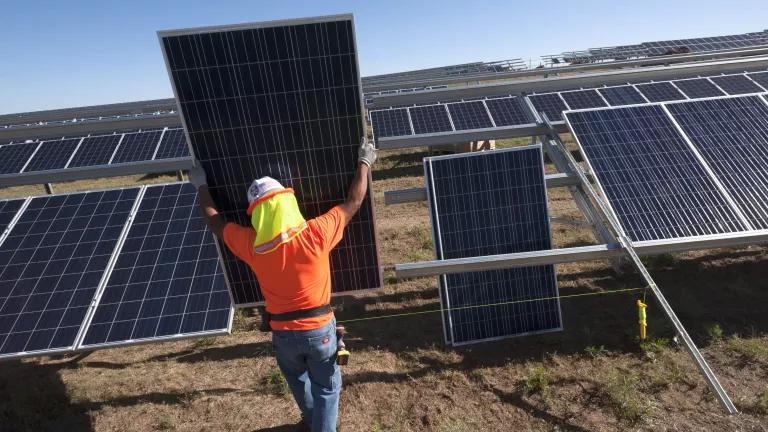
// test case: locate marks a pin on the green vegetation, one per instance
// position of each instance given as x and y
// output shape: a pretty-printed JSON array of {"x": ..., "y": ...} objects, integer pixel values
[
  {"x": 657, "y": 262},
  {"x": 596, "y": 351},
  {"x": 240, "y": 320},
  {"x": 762, "y": 403},
  {"x": 537, "y": 382},
  {"x": 622, "y": 395},
  {"x": 204, "y": 342},
  {"x": 715, "y": 332},
  {"x": 655, "y": 345},
  {"x": 275, "y": 382},
  {"x": 753, "y": 349}
]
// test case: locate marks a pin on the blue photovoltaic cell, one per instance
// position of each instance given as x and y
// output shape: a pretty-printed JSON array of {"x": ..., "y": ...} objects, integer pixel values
[
  {"x": 698, "y": 88},
  {"x": 582, "y": 99},
  {"x": 469, "y": 115},
  {"x": 622, "y": 95},
  {"x": 167, "y": 281},
  {"x": 736, "y": 84},
  {"x": 95, "y": 150},
  {"x": 51, "y": 264},
  {"x": 13, "y": 157},
  {"x": 732, "y": 136},
  {"x": 508, "y": 111},
  {"x": 52, "y": 155},
  {"x": 430, "y": 119},
  {"x": 8, "y": 210},
  {"x": 550, "y": 104},
  {"x": 391, "y": 122},
  {"x": 484, "y": 204},
  {"x": 173, "y": 145},
  {"x": 136, "y": 147},
  {"x": 656, "y": 186},
  {"x": 280, "y": 99},
  {"x": 760, "y": 78},
  {"x": 660, "y": 92}
]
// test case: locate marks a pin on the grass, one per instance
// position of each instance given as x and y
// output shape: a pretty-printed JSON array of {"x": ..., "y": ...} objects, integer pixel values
[
  {"x": 762, "y": 403},
  {"x": 620, "y": 391},
  {"x": 454, "y": 426},
  {"x": 537, "y": 382},
  {"x": 596, "y": 351},
  {"x": 715, "y": 332},
  {"x": 659, "y": 262},
  {"x": 753, "y": 349},
  {"x": 655, "y": 345},
  {"x": 275, "y": 382}
]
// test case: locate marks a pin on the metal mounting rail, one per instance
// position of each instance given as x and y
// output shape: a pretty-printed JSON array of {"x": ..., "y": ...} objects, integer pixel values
[{"x": 628, "y": 248}]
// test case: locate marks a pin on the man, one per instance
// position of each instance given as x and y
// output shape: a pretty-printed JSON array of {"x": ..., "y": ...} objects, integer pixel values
[{"x": 290, "y": 257}]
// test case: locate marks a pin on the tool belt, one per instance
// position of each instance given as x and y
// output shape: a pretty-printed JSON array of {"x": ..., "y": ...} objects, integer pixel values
[{"x": 267, "y": 317}]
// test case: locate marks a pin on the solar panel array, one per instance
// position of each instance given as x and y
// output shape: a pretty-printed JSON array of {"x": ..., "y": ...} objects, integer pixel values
[
  {"x": 92, "y": 151},
  {"x": 503, "y": 111},
  {"x": 279, "y": 99},
  {"x": 484, "y": 204},
  {"x": 393, "y": 122},
  {"x": 59, "y": 253},
  {"x": 681, "y": 169}
]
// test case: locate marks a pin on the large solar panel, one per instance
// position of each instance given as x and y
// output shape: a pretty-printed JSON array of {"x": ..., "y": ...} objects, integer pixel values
[
  {"x": 653, "y": 180},
  {"x": 582, "y": 99},
  {"x": 8, "y": 210},
  {"x": 430, "y": 119},
  {"x": 51, "y": 265},
  {"x": 660, "y": 92},
  {"x": 736, "y": 84},
  {"x": 279, "y": 99},
  {"x": 508, "y": 111},
  {"x": 698, "y": 88},
  {"x": 173, "y": 145},
  {"x": 622, "y": 95},
  {"x": 167, "y": 281},
  {"x": 550, "y": 104},
  {"x": 760, "y": 77},
  {"x": 136, "y": 147},
  {"x": 484, "y": 204},
  {"x": 469, "y": 115},
  {"x": 95, "y": 150},
  {"x": 731, "y": 134},
  {"x": 52, "y": 155},
  {"x": 13, "y": 157},
  {"x": 392, "y": 122}
]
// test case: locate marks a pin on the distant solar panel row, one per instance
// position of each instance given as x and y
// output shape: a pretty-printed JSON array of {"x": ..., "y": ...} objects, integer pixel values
[
  {"x": 484, "y": 204},
  {"x": 681, "y": 169},
  {"x": 92, "y": 151},
  {"x": 56, "y": 270},
  {"x": 449, "y": 117},
  {"x": 553, "y": 104}
]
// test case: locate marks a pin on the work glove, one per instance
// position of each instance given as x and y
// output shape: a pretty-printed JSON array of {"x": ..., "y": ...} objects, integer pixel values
[
  {"x": 197, "y": 177},
  {"x": 366, "y": 154}
]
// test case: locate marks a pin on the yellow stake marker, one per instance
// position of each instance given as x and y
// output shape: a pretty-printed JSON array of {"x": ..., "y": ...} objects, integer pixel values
[{"x": 642, "y": 318}]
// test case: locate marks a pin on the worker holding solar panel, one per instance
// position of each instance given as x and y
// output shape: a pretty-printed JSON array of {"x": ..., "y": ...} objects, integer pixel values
[{"x": 290, "y": 257}]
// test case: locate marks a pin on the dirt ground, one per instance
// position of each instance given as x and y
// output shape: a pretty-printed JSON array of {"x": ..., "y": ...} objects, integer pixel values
[{"x": 593, "y": 376}]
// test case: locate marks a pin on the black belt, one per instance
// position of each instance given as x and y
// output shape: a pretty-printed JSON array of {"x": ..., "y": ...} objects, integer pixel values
[{"x": 266, "y": 317}]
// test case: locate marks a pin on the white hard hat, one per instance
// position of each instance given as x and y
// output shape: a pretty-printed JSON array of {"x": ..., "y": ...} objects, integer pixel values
[{"x": 261, "y": 187}]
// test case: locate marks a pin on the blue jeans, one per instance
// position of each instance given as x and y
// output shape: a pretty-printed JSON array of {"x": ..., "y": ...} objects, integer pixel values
[{"x": 307, "y": 359}]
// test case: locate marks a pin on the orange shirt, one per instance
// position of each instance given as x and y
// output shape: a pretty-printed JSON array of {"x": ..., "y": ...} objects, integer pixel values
[{"x": 296, "y": 275}]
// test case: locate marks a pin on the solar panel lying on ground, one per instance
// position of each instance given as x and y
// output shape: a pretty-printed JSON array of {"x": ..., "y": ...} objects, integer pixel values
[
  {"x": 279, "y": 98},
  {"x": 167, "y": 282},
  {"x": 698, "y": 88},
  {"x": 653, "y": 180},
  {"x": 51, "y": 264},
  {"x": 736, "y": 84},
  {"x": 484, "y": 204},
  {"x": 731, "y": 134}
]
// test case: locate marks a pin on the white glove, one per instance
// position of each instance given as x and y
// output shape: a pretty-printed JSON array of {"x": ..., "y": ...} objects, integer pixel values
[
  {"x": 197, "y": 176},
  {"x": 366, "y": 154}
]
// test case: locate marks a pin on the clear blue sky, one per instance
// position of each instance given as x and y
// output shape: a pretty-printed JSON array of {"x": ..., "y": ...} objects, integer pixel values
[{"x": 59, "y": 54}]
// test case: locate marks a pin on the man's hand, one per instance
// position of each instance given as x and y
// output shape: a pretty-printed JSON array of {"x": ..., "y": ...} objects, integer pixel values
[
  {"x": 197, "y": 177},
  {"x": 366, "y": 154}
]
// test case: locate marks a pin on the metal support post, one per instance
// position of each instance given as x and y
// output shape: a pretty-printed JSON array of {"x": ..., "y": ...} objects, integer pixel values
[{"x": 49, "y": 188}]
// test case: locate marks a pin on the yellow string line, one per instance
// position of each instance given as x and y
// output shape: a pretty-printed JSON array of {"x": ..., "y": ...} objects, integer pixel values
[{"x": 488, "y": 305}]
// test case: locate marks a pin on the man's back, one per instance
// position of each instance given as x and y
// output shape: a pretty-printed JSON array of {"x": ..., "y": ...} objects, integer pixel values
[{"x": 297, "y": 274}]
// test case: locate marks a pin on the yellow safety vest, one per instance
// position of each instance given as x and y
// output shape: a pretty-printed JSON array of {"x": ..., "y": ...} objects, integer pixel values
[{"x": 277, "y": 219}]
